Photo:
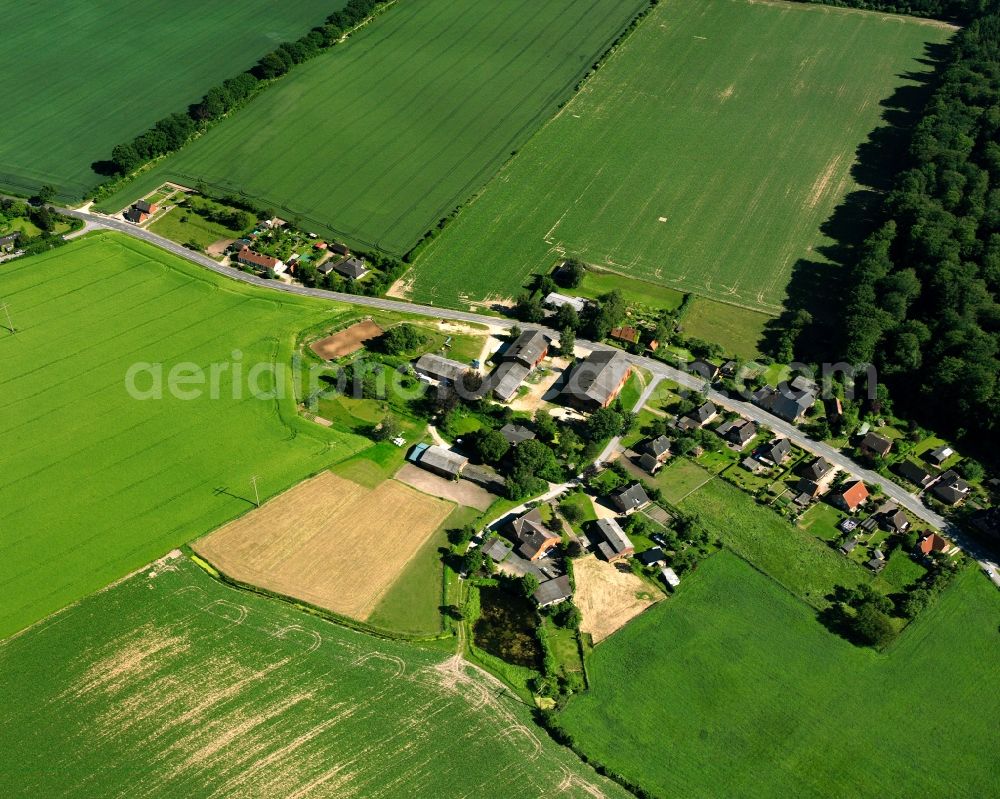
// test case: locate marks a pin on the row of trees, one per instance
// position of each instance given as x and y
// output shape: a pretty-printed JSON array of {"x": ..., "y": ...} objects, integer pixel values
[
  {"x": 924, "y": 305},
  {"x": 953, "y": 10},
  {"x": 174, "y": 131}
]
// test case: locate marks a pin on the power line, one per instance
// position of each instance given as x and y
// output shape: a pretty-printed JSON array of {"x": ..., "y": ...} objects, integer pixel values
[
  {"x": 256, "y": 493},
  {"x": 10, "y": 324}
]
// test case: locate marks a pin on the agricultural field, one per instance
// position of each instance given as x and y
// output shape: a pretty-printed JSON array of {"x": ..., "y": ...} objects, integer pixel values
[
  {"x": 98, "y": 74},
  {"x": 376, "y": 141},
  {"x": 609, "y": 597},
  {"x": 328, "y": 541},
  {"x": 97, "y": 482},
  {"x": 170, "y": 684},
  {"x": 704, "y": 156},
  {"x": 754, "y": 698}
]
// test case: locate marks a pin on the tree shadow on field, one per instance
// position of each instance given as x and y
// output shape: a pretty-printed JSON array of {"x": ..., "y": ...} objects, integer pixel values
[{"x": 820, "y": 287}]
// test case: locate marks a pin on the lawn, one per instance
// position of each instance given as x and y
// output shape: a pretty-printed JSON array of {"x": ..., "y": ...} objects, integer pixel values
[
  {"x": 112, "y": 69},
  {"x": 754, "y": 698},
  {"x": 200, "y": 690},
  {"x": 679, "y": 478},
  {"x": 182, "y": 225},
  {"x": 805, "y": 566},
  {"x": 97, "y": 482},
  {"x": 737, "y": 330},
  {"x": 596, "y": 284},
  {"x": 704, "y": 156},
  {"x": 377, "y": 140}
]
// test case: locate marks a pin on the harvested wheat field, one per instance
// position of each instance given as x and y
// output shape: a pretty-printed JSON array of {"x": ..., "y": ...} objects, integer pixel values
[
  {"x": 608, "y": 597},
  {"x": 346, "y": 341},
  {"x": 328, "y": 541}
]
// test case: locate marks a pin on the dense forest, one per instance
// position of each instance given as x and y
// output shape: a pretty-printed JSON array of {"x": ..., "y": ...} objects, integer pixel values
[{"x": 923, "y": 294}]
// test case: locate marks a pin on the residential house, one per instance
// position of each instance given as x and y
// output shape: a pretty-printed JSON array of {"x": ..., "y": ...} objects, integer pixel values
[
  {"x": 534, "y": 539},
  {"x": 728, "y": 369},
  {"x": 630, "y": 498},
  {"x": 915, "y": 473},
  {"x": 658, "y": 448},
  {"x": 556, "y": 300},
  {"x": 515, "y": 434},
  {"x": 753, "y": 465},
  {"x": 704, "y": 369},
  {"x": 817, "y": 469},
  {"x": 932, "y": 542},
  {"x": 777, "y": 452},
  {"x": 441, "y": 369},
  {"x": 875, "y": 446},
  {"x": 528, "y": 349},
  {"x": 552, "y": 592},
  {"x": 848, "y": 546},
  {"x": 597, "y": 380},
  {"x": 853, "y": 496},
  {"x": 950, "y": 488},
  {"x": 877, "y": 563},
  {"x": 147, "y": 207},
  {"x": 789, "y": 403},
  {"x": 809, "y": 488},
  {"x": 649, "y": 463},
  {"x": 704, "y": 414},
  {"x": 741, "y": 433},
  {"x": 626, "y": 334},
  {"x": 352, "y": 268},
  {"x": 803, "y": 383},
  {"x": 440, "y": 461},
  {"x": 248, "y": 257},
  {"x": 652, "y": 557},
  {"x": 939, "y": 455},
  {"x": 615, "y": 544},
  {"x": 834, "y": 409},
  {"x": 894, "y": 520},
  {"x": 802, "y": 499},
  {"x": 8, "y": 242},
  {"x": 497, "y": 549}
]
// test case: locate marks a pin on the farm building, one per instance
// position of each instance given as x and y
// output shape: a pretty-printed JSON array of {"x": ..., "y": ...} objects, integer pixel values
[
  {"x": 497, "y": 549},
  {"x": 950, "y": 488},
  {"x": 554, "y": 591},
  {"x": 528, "y": 349},
  {"x": 533, "y": 537},
  {"x": 853, "y": 497},
  {"x": 596, "y": 381},
  {"x": 444, "y": 370},
  {"x": 438, "y": 460},
  {"x": 557, "y": 300},
  {"x": 352, "y": 268},
  {"x": 630, "y": 498},
  {"x": 506, "y": 379},
  {"x": 670, "y": 577},
  {"x": 615, "y": 544},
  {"x": 651, "y": 557},
  {"x": 248, "y": 257}
]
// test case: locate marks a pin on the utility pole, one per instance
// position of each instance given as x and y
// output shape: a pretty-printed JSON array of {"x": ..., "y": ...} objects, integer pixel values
[
  {"x": 256, "y": 493},
  {"x": 10, "y": 324}
]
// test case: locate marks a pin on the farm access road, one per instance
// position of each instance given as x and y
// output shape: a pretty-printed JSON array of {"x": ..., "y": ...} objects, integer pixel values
[{"x": 659, "y": 370}]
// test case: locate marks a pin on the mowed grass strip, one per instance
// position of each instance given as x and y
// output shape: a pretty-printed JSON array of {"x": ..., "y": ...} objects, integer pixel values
[
  {"x": 77, "y": 82},
  {"x": 704, "y": 156},
  {"x": 732, "y": 688},
  {"x": 96, "y": 483},
  {"x": 377, "y": 140},
  {"x": 174, "y": 685}
]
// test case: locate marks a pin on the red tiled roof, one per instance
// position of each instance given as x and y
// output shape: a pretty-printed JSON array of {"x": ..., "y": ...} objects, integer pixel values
[
  {"x": 248, "y": 256},
  {"x": 933, "y": 543},
  {"x": 855, "y": 494},
  {"x": 625, "y": 334}
]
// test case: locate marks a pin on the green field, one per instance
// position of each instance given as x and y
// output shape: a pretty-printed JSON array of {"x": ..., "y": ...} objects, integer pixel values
[
  {"x": 175, "y": 686},
  {"x": 96, "y": 483},
  {"x": 737, "y": 330},
  {"x": 733, "y": 689},
  {"x": 77, "y": 82},
  {"x": 807, "y": 567},
  {"x": 736, "y": 123},
  {"x": 377, "y": 140}
]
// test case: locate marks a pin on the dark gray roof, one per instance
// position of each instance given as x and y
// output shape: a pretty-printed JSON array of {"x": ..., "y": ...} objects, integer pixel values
[
  {"x": 915, "y": 473},
  {"x": 440, "y": 368},
  {"x": 597, "y": 379},
  {"x": 849, "y": 546},
  {"x": 940, "y": 454},
  {"x": 651, "y": 556},
  {"x": 898, "y": 520},
  {"x": 552, "y": 591},
  {"x": 779, "y": 450},
  {"x": 704, "y": 413},
  {"x": 527, "y": 349},
  {"x": 703, "y": 368},
  {"x": 658, "y": 446},
  {"x": 10, "y": 238},
  {"x": 497, "y": 549},
  {"x": 790, "y": 405},
  {"x": 144, "y": 205},
  {"x": 648, "y": 462},
  {"x": 876, "y": 443},
  {"x": 351, "y": 267},
  {"x": 614, "y": 535},
  {"x": 443, "y": 460},
  {"x": 340, "y": 249},
  {"x": 515, "y": 433},
  {"x": 951, "y": 488},
  {"x": 818, "y": 469},
  {"x": 630, "y": 497},
  {"x": 742, "y": 433}
]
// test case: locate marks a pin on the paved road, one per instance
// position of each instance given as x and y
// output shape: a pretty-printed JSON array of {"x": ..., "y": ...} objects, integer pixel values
[{"x": 659, "y": 370}]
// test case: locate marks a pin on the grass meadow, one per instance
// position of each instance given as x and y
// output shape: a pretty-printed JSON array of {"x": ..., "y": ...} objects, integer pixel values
[
  {"x": 77, "y": 82},
  {"x": 705, "y": 155},
  {"x": 377, "y": 140},
  {"x": 96, "y": 483},
  {"x": 731, "y": 688},
  {"x": 170, "y": 684}
]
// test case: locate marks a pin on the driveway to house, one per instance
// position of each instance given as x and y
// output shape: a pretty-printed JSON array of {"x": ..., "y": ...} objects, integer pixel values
[
  {"x": 659, "y": 370},
  {"x": 615, "y": 443}
]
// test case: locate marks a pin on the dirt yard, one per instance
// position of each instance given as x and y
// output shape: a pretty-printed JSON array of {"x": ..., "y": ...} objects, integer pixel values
[
  {"x": 346, "y": 341},
  {"x": 328, "y": 541},
  {"x": 609, "y": 598},
  {"x": 461, "y": 491}
]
